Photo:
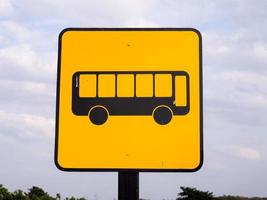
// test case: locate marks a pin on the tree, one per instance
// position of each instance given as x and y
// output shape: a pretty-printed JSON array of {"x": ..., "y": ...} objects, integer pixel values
[
  {"x": 36, "y": 193},
  {"x": 189, "y": 193},
  {"x": 19, "y": 195},
  {"x": 4, "y": 193},
  {"x": 58, "y": 197}
]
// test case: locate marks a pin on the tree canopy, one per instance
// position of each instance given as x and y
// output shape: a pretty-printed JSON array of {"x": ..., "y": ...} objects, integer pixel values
[
  {"x": 189, "y": 193},
  {"x": 35, "y": 193}
]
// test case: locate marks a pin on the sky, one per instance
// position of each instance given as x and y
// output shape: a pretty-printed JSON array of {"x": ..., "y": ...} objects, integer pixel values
[{"x": 235, "y": 93}]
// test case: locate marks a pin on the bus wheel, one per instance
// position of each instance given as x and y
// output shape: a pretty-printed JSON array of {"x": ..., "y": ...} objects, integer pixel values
[
  {"x": 162, "y": 115},
  {"x": 98, "y": 115}
]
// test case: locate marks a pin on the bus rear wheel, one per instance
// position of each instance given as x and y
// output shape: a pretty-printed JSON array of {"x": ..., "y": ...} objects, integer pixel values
[
  {"x": 98, "y": 115},
  {"x": 162, "y": 115}
]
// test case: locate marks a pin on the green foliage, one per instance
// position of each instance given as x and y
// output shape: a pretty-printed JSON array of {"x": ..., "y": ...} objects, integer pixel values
[
  {"x": 20, "y": 195},
  {"x": 35, "y": 193},
  {"x": 228, "y": 197},
  {"x": 4, "y": 193},
  {"x": 189, "y": 193}
]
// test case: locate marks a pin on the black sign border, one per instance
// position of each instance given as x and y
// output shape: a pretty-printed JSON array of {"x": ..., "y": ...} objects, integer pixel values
[{"x": 128, "y": 169}]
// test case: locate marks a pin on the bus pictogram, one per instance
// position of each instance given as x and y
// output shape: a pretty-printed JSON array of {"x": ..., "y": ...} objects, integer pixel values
[{"x": 160, "y": 94}]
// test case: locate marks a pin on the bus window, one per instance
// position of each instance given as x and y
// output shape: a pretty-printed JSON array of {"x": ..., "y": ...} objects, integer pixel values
[
  {"x": 125, "y": 85},
  {"x": 106, "y": 85},
  {"x": 87, "y": 85},
  {"x": 163, "y": 85},
  {"x": 180, "y": 90},
  {"x": 144, "y": 85}
]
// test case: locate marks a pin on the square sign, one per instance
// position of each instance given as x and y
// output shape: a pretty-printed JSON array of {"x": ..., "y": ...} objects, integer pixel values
[{"x": 129, "y": 99}]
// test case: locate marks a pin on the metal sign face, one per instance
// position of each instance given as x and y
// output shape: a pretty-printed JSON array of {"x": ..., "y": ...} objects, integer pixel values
[{"x": 129, "y": 99}]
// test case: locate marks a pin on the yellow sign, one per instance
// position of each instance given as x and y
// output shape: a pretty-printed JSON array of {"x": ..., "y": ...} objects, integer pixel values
[{"x": 129, "y": 99}]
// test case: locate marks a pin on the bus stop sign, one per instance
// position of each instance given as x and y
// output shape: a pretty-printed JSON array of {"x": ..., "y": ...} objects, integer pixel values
[{"x": 129, "y": 100}]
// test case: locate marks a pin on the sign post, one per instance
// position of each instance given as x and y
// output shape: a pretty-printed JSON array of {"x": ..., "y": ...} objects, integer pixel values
[
  {"x": 129, "y": 100},
  {"x": 128, "y": 186}
]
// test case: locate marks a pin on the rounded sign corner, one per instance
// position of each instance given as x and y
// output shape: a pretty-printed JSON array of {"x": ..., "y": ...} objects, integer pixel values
[{"x": 108, "y": 99}]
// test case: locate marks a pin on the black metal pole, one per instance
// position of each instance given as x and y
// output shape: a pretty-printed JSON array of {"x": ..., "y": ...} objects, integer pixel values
[{"x": 128, "y": 186}]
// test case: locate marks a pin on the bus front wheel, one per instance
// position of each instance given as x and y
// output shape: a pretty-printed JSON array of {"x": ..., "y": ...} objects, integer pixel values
[
  {"x": 98, "y": 115},
  {"x": 162, "y": 115}
]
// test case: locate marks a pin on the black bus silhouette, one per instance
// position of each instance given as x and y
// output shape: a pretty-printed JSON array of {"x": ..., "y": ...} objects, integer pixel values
[{"x": 160, "y": 94}]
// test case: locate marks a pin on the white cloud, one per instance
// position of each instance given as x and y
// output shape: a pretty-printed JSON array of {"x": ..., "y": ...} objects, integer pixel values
[
  {"x": 235, "y": 60},
  {"x": 26, "y": 126},
  {"x": 235, "y": 51},
  {"x": 236, "y": 98},
  {"x": 242, "y": 152},
  {"x": 90, "y": 13},
  {"x": 29, "y": 92},
  {"x": 140, "y": 22},
  {"x": 28, "y": 96},
  {"x": 15, "y": 33},
  {"x": 6, "y": 8},
  {"x": 242, "y": 88},
  {"x": 248, "y": 153},
  {"x": 260, "y": 50},
  {"x": 15, "y": 30},
  {"x": 22, "y": 62}
]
